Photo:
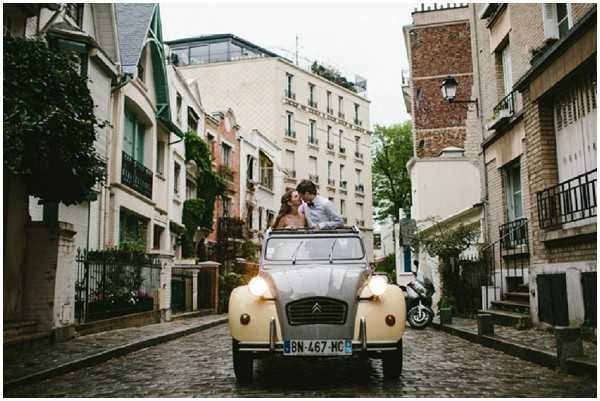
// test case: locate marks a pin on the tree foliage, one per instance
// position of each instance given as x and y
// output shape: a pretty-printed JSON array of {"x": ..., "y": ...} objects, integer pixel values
[
  {"x": 49, "y": 123},
  {"x": 391, "y": 184},
  {"x": 446, "y": 240}
]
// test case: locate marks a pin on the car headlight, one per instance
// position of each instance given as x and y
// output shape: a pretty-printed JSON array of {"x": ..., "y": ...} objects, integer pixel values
[
  {"x": 378, "y": 285},
  {"x": 258, "y": 286}
]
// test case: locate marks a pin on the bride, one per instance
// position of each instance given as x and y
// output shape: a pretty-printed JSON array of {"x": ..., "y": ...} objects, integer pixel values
[{"x": 289, "y": 216}]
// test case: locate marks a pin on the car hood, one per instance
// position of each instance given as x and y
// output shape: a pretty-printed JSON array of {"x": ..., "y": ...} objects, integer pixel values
[{"x": 340, "y": 282}]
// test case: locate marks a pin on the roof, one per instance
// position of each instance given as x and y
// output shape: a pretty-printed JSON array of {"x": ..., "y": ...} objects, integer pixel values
[
  {"x": 133, "y": 22},
  {"x": 215, "y": 37}
]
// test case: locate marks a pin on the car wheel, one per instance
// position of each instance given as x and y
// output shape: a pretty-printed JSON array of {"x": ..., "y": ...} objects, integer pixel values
[
  {"x": 392, "y": 363},
  {"x": 418, "y": 318},
  {"x": 243, "y": 364}
]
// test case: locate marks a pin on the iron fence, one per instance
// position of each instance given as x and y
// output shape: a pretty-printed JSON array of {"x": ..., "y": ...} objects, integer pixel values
[
  {"x": 514, "y": 233},
  {"x": 507, "y": 103},
  {"x": 114, "y": 283},
  {"x": 136, "y": 176},
  {"x": 567, "y": 202}
]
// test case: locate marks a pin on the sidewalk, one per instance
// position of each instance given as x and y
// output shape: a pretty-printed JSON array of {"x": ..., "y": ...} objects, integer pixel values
[
  {"x": 40, "y": 362},
  {"x": 534, "y": 345}
]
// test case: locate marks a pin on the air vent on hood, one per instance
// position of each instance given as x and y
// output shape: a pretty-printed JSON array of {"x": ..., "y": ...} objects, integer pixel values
[{"x": 316, "y": 310}]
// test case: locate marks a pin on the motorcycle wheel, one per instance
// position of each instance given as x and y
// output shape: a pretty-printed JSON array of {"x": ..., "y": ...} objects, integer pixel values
[{"x": 418, "y": 318}]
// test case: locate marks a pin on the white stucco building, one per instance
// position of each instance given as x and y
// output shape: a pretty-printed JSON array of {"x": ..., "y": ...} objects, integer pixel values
[{"x": 320, "y": 127}]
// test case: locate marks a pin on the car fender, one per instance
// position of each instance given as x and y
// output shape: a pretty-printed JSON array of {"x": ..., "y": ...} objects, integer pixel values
[
  {"x": 375, "y": 309},
  {"x": 260, "y": 310}
]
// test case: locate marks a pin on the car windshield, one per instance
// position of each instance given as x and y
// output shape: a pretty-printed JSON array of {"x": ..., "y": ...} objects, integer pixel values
[{"x": 302, "y": 249}]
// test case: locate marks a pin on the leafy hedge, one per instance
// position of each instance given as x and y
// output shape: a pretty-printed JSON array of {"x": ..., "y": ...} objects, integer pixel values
[{"x": 49, "y": 123}]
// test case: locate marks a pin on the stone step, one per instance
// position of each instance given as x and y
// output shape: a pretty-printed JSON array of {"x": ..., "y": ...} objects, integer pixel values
[
  {"x": 19, "y": 328},
  {"x": 519, "y": 321},
  {"x": 29, "y": 340},
  {"x": 512, "y": 306},
  {"x": 516, "y": 296}
]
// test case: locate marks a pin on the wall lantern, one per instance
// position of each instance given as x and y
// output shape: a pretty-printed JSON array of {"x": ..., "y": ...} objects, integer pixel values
[{"x": 449, "y": 87}]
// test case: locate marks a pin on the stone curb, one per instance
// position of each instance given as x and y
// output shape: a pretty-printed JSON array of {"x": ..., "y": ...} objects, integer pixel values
[
  {"x": 103, "y": 356},
  {"x": 544, "y": 358}
]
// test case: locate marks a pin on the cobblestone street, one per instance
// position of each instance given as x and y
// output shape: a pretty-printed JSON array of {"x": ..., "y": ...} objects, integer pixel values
[{"x": 436, "y": 364}]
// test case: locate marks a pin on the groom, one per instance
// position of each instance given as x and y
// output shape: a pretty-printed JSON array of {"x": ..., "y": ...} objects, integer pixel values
[{"x": 320, "y": 213}]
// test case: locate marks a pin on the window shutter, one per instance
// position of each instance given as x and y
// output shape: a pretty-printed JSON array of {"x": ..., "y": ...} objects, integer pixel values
[
  {"x": 550, "y": 21},
  {"x": 139, "y": 143}
]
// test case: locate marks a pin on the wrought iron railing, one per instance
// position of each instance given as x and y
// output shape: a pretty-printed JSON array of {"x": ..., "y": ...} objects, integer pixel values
[
  {"x": 136, "y": 176},
  {"x": 331, "y": 182},
  {"x": 342, "y": 149},
  {"x": 312, "y": 103},
  {"x": 330, "y": 146},
  {"x": 114, "y": 283},
  {"x": 507, "y": 103},
  {"x": 359, "y": 187},
  {"x": 358, "y": 155},
  {"x": 330, "y": 110},
  {"x": 514, "y": 233},
  {"x": 289, "y": 94},
  {"x": 341, "y": 115},
  {"x": 231, "y": 227},
  {"x": 290, "y": 133},
  {"x": 569, "y": 201},
  {"x": 358, "y": 122},
  {"x": 313, "y": 140},
  {"x": 314, "y": 178},
  {"x": 290, "y": 173},
  {"x": 343, "y": 184}
]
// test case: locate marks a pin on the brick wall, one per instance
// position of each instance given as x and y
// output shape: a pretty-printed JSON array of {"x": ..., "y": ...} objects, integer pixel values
[
  {"x": 579, "y": 10},
  {"x": 436, "y": 140}
]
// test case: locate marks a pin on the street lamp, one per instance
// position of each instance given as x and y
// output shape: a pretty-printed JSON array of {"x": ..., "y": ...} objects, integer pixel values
[{"x": 449, "y": 87}]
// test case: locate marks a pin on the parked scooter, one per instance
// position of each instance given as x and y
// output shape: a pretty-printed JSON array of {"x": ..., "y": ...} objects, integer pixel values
[{"x": 418, "y": 302}]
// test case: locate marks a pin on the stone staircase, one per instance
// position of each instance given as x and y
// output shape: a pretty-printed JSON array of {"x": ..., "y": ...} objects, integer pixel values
[{"x": 513, "y": 309}]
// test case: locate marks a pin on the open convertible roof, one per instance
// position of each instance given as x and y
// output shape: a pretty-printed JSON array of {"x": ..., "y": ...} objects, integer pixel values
[{"x": 304, "y": 231}]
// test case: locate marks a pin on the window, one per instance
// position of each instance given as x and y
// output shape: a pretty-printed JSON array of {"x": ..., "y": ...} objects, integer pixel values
[
  {"x": 270, "y": 217},
  {"x": 180, "y": 56},
  {"x": 133, "y": 137},
  {"x": 190, "y": 189},
  {"x": 250, "y": 167},
  {"x": 341, "y": 107},
  {"x": 329, "y": 108},
  {"x": 266, "y": 171},
  {"x": 226, "y": 206},
  {"x": 289, "y": 130},
  {"x": 506, "y": 69},
  {"x": 290, "y": 162},
  {"x": 341, "y": 172},
  {"x": 312, "y": 165},
  {"x": 330, "y": 169},
  {"x": 557, "y": 20},
  {"x": 342, "y": 207},
  {"x": 249, "y": 216},
  {"x": 329, "y": 141},
  {"x": 311, "y": 95},
  {"x": 178, "y": 109},
  {"x": 342, "y": 148},
  {"x": 176, "y": 178},
  {"x": 356, "y": 106},
  {"x": 132, "y": 228},
  {"x": 226, "y": 152},
  {"x": 75, "y": 11},
  {"x": 218, "y": 52},
  {"x": 192, "y": 120},
  {"x": 158, "y": 233},
  {"x": 260, "y": 218},
  {"x": 160, "y": 157},
  {"x": 358, "y": 177},
  {"x": 312, "y": 132},
  {"x": 289, "y": 80},
  {"x": 514, "y": 200},
  {"x": 199, "y": 55},
  {"x": 357, "y": 144}
]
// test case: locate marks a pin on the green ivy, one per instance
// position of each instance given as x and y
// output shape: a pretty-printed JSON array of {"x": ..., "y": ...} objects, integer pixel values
[
  {"x": 193, "y": 214},
  {"x": 49, "y": 123}
]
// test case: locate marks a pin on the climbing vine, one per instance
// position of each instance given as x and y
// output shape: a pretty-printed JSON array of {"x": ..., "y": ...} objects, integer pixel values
[{"x": 49, "y": 123}]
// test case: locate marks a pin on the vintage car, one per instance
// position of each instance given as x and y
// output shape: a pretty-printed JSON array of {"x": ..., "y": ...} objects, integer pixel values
[{"x": 315, "y": 295}]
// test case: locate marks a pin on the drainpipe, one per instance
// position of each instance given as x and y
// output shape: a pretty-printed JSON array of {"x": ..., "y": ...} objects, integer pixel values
[{"x": 481, "y": 126}]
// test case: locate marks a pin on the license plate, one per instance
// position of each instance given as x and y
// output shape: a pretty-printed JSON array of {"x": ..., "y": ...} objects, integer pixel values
[{"x": 317, "y": 347}]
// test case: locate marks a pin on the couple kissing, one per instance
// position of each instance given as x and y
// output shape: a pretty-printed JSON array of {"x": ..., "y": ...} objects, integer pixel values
[{"x": 303, "y": 208}]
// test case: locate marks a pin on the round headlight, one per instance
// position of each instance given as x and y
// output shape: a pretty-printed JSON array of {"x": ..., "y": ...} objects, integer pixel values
[
  {"x": 258, "y": 286},
  {"x": 378, "y": 285}
]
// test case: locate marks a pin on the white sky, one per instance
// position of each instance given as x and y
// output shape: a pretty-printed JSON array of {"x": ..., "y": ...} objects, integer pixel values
[{"x": 362, "y": 38}]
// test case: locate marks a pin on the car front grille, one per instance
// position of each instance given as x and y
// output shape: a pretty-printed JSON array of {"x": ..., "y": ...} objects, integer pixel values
[{"x": 316, "y": 310}]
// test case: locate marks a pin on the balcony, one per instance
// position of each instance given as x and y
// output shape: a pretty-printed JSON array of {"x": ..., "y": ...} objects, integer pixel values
[
  {"x": 231, "y": 227},
  {"x": 360, "y": 223},
  {"x": 567, "y": 202},
  {"x": 344, "y": 184},
  {"x": 342, "y": 149},
  {"x": 358, "y": 122},
  {"x": 503, "y": 111},
  {"x": 289, "y": 173},
  {"x": 341, "y": 115},
  {"x": 330, "y": 110},
  {"x": 358, "y": 155},
  {"x": 360, "y": 188},
  {"x": 312, "y": 103},
  {"x": 330, "y": 146},
  {"x": 514, "y": 234},
  {"x": 289, "y": 94},
  {"x": 313, "y": 140},
  {"x": 314, "y": 178},
  {"x": 331, "y": 182},
  {"x": 290, "y": 133},
  {"x": 136, "y": 176}
]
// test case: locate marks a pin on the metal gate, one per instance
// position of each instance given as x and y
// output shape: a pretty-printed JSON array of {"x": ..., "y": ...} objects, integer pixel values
[
  {"x": 552, "y": 299},
  {"x": 181, "y": 284},
  {"x": 206, "y": 289},
  {"x": 588, "y": 282}
]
